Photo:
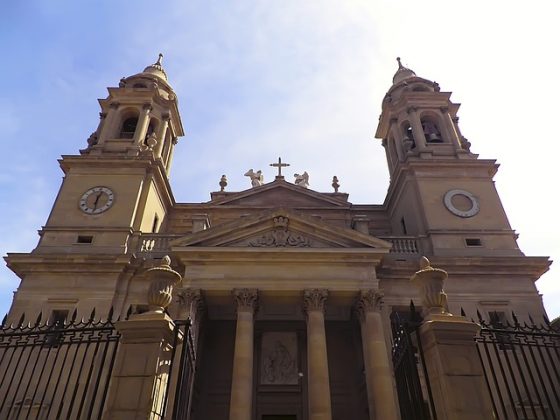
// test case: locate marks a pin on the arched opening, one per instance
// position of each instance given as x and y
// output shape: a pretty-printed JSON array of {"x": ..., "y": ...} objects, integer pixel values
[
  {"x": 128, "y": 128},
  {"x": 431, "y": 130}
]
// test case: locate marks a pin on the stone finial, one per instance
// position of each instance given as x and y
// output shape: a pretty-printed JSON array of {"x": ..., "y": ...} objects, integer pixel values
[
  {"x": 314, "y": 299},
  {"x": 335, "y": 184},
  {"x": 369, "y": 300},
  {"x": 429, "y": 282},
  {"x": 245, "y": 299},
  {"x": 162, "y": 280},
  {"x": 223, "y": 183}
]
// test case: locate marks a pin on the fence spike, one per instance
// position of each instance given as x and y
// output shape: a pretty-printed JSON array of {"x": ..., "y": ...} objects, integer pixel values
[
  {"x": 478, "y": 315},
  {"x": 4, "y": 321},
  {"x": 110, "y": 314},
  {"x": 21, "y": 319},
  {"x": 74, "y": 315},
  {"x": 92, "y": 315},
  {"x": 463, "y": 312},
  {"x": 514, "y": 317},
  {"x": 38, "y": 320}
]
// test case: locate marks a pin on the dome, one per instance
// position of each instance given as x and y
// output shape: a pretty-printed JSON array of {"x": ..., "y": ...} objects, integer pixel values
[{"x": 402, "y": 73}]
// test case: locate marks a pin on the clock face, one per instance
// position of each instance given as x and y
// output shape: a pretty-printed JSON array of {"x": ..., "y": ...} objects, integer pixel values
[
  {"x": 97, "y": 200},
  {"x": 461, "y": 203}
]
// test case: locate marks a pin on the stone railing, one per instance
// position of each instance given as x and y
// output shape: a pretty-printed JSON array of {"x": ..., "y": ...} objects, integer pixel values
[
  {"x": 159, "y": 243},
  {"x": 403, "y": 244},
  {"x": 155, "y": 242}
]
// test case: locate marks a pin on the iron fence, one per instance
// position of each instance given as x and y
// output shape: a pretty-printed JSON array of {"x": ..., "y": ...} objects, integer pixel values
[
  {"x": 56, "y": 369},
  {"x": 411, "y": 376},
  {"x": 522, "y": 367}
]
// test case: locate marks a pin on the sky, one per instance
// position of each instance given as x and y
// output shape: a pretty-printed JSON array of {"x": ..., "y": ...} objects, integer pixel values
[{"x": 299, "y": 79}]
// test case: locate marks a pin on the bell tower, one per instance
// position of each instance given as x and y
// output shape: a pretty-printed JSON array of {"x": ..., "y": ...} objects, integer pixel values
[
  {"x": 439, "y": 190},
  {"x": 118, "y": 185}
]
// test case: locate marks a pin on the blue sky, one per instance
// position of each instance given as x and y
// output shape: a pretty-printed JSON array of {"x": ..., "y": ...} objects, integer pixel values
[{"x": 262, "y": 79}]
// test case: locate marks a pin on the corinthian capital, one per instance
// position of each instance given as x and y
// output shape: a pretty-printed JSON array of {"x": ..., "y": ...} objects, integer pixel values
[
  {"x": 192, "y": 301},
  {"x": 314, "y": 299},
  {"x": 245, "y": 299},
  {"x": 368, "y": 301}
]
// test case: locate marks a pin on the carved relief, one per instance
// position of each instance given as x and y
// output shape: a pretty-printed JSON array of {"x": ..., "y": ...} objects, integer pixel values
[
  {"x": 281, "y": 236},
  {"x": 279, "y": 362},
  {"x": 369, "y": 300},
  {"x": 314, "y": 299},
  {"x": 245, "y": 299}
]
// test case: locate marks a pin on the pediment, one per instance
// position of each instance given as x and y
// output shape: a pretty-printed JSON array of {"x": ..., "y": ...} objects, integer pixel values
[
  {"x": 283, "y": 194},
  {"x": 280, "y": 229}
]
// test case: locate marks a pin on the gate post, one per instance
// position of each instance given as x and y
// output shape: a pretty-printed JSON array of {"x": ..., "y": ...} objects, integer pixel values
[
  {"x": 455, "y": 373},
  {"x": 139, "y": 381},
  {"x": 141, "y": 372}
]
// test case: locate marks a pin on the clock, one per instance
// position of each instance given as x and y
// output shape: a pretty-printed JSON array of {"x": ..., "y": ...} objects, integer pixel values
[
  {"x": 97, "y": 200},
  {"x": 461, "y": 203}
]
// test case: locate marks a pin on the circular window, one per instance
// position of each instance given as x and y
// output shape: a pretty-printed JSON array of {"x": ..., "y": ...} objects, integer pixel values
[{"x": 461, "y": 203}]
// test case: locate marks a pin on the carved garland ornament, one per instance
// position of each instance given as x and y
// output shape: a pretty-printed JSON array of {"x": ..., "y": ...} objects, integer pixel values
[{"x": 281, "y": 236}]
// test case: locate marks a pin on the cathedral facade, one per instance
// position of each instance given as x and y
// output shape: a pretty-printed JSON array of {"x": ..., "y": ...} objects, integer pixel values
[{"x": 290, "y": 290}]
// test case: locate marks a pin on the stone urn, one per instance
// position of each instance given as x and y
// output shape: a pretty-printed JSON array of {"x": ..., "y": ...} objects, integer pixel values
[
  {"x": 429, "y": 281},
  {"x": 162, "y": 280}
]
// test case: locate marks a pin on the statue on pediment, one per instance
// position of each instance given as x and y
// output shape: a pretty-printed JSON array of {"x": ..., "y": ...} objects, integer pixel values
[
  {"x": 257, "y": 178},
  {"x": 302, "y": 180}
]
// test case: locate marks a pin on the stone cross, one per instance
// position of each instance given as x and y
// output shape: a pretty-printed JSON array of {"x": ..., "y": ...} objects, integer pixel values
[{"x": 279, "y": 165}]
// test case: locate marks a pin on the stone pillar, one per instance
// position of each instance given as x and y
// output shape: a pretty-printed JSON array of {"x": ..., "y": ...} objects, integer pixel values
[
  {"x": 241, "y": 402},
  {"x": 110, "y": 121},
  {"x": 142, "y": 126},
  {"x": 169, "y": 159},
  {"x": 454, "y": 368},
  {"x": 319, "y": 398},
  {"x": 450, "y": 128},
  {"x": 191, "y": 305},
  {"x": 398, "y": 135},
  {"x": 379, "y": 374},
  {"x": 417, "y": 130},
  {"x": 162, "y": 132},
  {"x": 140, "y": 374}
]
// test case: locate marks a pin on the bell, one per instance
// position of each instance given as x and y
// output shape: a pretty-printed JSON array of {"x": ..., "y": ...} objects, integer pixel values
[{"x": 434, "y": 137}]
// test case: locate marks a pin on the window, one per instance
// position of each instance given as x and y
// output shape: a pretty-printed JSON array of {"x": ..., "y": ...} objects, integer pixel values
[
  {"x": 155, "y": 225},
  {"x": 129, "y": 128},
  {"x": 84, "y": 239},
  {"x": 473, "y": 242}
]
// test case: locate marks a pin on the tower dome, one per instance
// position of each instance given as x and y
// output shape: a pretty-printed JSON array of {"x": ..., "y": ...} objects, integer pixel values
[{"x": 156, "y": 69}]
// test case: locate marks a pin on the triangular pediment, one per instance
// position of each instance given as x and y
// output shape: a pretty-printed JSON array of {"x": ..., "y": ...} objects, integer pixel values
[
  {"x": 283, "y": 194},
  {"x": 280, "y": 229}
]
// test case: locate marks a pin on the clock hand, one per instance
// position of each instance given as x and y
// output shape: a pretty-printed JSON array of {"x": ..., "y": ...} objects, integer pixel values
[{"x": 97, "y": 199}]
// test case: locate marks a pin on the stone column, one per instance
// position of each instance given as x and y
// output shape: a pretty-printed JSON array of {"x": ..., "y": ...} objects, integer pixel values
[
  {"x": 162, "y": 132},
  {"x": 110, "y": 121},
  {"x": 398, "y": 135},
  {"x": 241, "y": 402},
  {"x": 169, "y": 159},
  {"x": 417, "y": 130},
  {"x": 319, "y": 398},
  {"x": 142, "y": 126},
  {"x": 379, "y": 374},
  {"x": 454, "y": 368},
  {"x": 450, "y": 128}
]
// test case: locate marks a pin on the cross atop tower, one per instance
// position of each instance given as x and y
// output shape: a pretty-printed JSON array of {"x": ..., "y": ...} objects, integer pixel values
[{"x": 279, "y": 165}]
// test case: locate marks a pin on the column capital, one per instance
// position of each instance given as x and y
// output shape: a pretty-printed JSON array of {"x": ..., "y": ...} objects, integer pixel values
[
  {"x": 314, "y": 299},
  {"x": 192, "y": 299},
  {"x": 369, "y": 300},
  {"x": 147, "y": 107},
  {"x": 245, "y": 299}
]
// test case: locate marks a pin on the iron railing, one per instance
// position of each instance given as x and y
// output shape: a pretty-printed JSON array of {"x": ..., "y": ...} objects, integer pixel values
[
  {"x": 411, "y": 376},
  {"x": 56, "y": 370},
  {"x": 522, "y": 368}
]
